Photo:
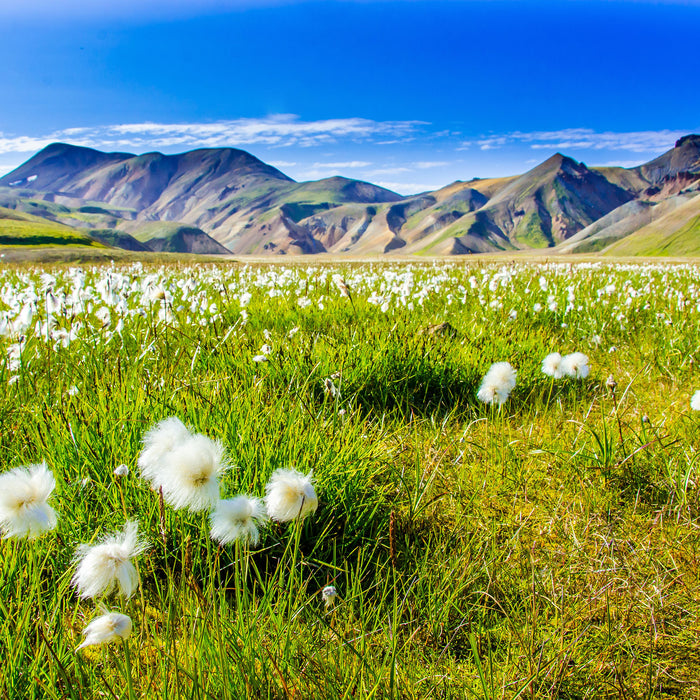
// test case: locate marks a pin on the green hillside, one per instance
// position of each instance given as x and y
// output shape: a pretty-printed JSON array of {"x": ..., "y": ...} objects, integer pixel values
[
  {"x": 175, "y": 237},
  {"x": 19, "y": 229},
  {"x": 676, "y": 234}
]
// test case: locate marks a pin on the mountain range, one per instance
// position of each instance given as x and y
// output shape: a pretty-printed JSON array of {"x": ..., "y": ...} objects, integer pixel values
[{"x": 226, "y": 201}]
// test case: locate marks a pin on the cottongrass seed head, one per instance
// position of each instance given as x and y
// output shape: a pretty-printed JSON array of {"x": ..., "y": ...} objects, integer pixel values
[
  {"x": 237, "y": 519},
  {"x": 329, "y": 594},
  {"x": 497, "y": 384},
  {"x": 551, "y": 365},
  {"x": 289, "y": 495},
  {"x": 105, "y": 566},
  {"x": 575, "y": 365},
  {"x": 158, "y": 443},
  {"x": 24, "y": 508},
  {"x": 121, "y": 470},
  {"x": 190, "y": 473},
  {"x": 108, "y": 627},
  {"x": 695, "y": 401}
]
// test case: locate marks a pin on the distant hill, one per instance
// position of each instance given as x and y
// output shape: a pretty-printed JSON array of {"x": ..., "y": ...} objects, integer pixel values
[
  {"x": 226, "y": 200},
  {"x": 539, "y": 209},
  {"x": 177, "y": 238}
]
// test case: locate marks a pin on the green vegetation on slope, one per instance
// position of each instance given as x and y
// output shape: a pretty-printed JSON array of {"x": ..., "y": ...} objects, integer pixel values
[
  {"x": 683, "y": 242},
  {"x": 24, "y": 230},
  {"x": 530, "y": 232},
  {"x": 675, "y": 234}
]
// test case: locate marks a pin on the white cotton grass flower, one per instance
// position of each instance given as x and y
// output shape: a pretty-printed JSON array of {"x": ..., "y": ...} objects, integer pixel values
[
  {"x": 342, "y": 286},
  {"x": 158, "y": 442},
  {"x": 551, "y": 365},
  {"x": 695, "y": 401},
  {"x": 497, "y": 384},
  {"x": 330, "y": 388},
  {"x": 329, "y": 594},
  {"x": 121, "y": 470},
  {"x": 105, "y": 566},
  {"x": 24, "y": 508},
  {"x": 237, "y": 519},
  {"x": 289, "y": 495},
  {"x": 189, "y": 474},
  {"x": 265, "y": 351},
  {"x": 575, "y": 365},
  {"x": 108, "y": 627}
]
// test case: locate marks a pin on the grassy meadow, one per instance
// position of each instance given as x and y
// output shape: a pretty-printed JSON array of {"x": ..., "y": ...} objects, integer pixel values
[{"x": 546, "y": 548}]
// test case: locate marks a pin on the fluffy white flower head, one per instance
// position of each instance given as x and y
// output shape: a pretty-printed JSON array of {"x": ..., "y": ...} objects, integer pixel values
[
  {"x": 104, "y": 566},
  {"x": 158, "y": 442},
  {"x": 497, "y": 384},
  {"x": 121, "y": 470},
  {"x": 551, "y": 365},
  {"x": 575, "y": 365},
  {"x": 24, "y": 510},
  {"x": 237, "y": 519},
  {"x": 329, "y": 594},
  {"x": 290, "y": 494},
  {"x": 190, "y": 473},
  {"x": 106, "y": 628},
  {"x": 695, "y": 401},
  {"x": 341, "y": 284}
]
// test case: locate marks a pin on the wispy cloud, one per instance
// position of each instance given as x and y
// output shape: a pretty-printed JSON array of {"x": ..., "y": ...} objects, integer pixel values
[
  {"x": 280, "y": 130},
  {"x": 621, "y": 163},
  {"x": 427, "y": 164},
  {"x": 408, "y": 167},
  {"x": 341, "y": 165},
  {"x": 396, "y": 170},
  {"x": 579, "y": 138},
  {"x": 4, "y": 169}
]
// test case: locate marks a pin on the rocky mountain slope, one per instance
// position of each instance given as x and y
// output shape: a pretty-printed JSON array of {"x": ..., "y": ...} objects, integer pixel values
[{"x": 226, "y": 200}]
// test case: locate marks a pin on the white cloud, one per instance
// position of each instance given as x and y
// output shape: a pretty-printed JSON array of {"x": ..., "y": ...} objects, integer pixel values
[
  {"x": 342, "y": 165},
  {"x": 580, "y": 138},
  {"x": 280, "y": 130},
  {"x": 4, "y": 169},
  {"x": 620, "y": 164},
  {"x": 281, "y": 163},
  {"x": 426, "y": 164},
  {"x": 397, "y": 170},
  {"x": 492, "y": 142}
]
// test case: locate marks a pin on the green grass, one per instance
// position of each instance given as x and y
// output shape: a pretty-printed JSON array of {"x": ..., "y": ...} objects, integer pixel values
[
  {"x": 18, "y": 229},
  {"x": 529, "y": 232},
  {"x": 544, "y": 550},
  {"x": 685, "y": 241},
  {"x": 158, "y": 229}
]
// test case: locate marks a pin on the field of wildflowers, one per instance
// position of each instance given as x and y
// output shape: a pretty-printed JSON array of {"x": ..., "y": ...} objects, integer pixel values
[{"x": 353, "y": 481}]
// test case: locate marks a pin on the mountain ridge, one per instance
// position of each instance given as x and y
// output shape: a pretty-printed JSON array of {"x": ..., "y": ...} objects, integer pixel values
[{"x": 249, "y": 207}]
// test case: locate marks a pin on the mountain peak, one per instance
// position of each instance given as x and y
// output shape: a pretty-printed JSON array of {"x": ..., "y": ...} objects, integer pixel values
[
  {"x": 693, "y": 139},
  {"x": 684, "y": 157},
  {"x": 59, "y": 148},
  {"x": 56, "y": 164}
]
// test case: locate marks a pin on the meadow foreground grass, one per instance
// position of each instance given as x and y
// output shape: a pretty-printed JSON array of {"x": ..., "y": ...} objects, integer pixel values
[{"x": 543, "y": 548}]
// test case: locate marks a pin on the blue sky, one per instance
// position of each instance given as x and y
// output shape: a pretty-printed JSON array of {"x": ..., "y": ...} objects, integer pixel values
[{"x": 408, "y": 94}]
